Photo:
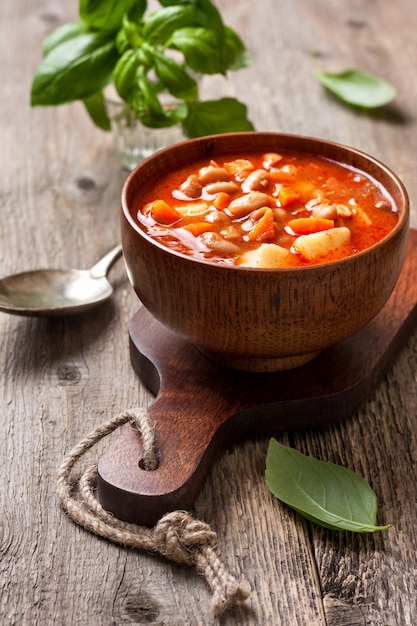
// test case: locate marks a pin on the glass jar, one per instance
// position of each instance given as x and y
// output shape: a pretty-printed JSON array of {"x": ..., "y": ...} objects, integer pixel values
[{"x": 134, "y": 142}]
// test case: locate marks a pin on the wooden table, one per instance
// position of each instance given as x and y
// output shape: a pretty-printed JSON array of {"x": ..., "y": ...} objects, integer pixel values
[{"x": 59, "y": 188}]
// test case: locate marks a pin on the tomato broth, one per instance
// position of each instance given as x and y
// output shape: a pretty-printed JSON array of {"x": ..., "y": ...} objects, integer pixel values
[{"x": 267, "y": 210}]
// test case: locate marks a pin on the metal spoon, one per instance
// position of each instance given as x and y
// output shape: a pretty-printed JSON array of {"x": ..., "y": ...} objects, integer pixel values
[{"x": 53, "y": 292}]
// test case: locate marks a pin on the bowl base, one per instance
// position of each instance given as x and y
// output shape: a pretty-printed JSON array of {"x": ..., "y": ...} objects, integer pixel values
[{"x": 259, "y": 365}]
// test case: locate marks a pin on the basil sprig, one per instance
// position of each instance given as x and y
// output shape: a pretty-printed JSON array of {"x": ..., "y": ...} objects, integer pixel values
[
  {"x": 146, "y": 56},
  {"x": 329, "y": 495}
]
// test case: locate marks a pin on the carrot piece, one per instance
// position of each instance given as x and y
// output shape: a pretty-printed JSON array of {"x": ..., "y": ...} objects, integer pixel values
[
  {"x": 196, "y": 228},
  {"x": 163, "y": 213},
  {"x": 287, "y": 195},
  {"x": 239, "y": 167},
  {"x": 222, "y": 200},
  {"x": 264, "y": 229},
  {"x": 308, "y": 225}
]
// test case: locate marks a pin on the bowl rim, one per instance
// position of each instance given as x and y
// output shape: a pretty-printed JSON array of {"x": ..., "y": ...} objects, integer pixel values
[{"x": 403, "y": 218}]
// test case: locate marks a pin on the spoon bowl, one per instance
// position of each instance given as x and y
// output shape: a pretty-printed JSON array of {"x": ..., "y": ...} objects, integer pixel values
[{"x": 57, "y": 292}]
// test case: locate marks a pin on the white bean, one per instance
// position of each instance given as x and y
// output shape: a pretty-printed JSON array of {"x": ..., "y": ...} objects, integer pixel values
[
  {"x": 384, "y": 205},
  {"x": 230, "y": 233},
  {"x": 271, "y": 159},
  {"x": 219, "y": 245},
  {"x": 217, "y": 217},
  {"x": 247, "y": 203},
  {"x": 212, "y": 174},
  {"x": 343, "y": 210},
  {"x": 225, "y": 186},
  {"x": 256, "y": 181},
  {"x": 325, "y": 211},
  {"x": 191, "y": 187}
]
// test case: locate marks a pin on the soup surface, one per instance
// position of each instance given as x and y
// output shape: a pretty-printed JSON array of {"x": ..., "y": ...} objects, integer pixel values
[{"x": 267, "y": 210}]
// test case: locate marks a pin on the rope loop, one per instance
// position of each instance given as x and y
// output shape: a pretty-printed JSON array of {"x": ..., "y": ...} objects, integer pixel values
[
  {"x": 177, "y": 536},
  {"x": 140, "y": 419}
]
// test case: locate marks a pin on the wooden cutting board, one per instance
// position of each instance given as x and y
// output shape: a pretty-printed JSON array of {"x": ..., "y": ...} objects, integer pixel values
[{"x": 202, "y": 408}]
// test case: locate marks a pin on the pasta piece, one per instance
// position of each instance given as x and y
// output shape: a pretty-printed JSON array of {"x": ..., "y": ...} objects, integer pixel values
[{"x": 192, "y": 209}]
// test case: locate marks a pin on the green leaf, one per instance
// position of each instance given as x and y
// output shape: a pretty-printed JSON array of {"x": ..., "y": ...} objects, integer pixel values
[
  {"x": 124, "y": 74},
  {"x": 137, "y": 12},
  {"x": 180, "y": 84},
  {"x": 163, "y": 23},
  {"x": 357, "y": 88},
  {"x": 208, "y": 15},
  {"x": 327, "y": 494},
  {"x": 74, "y": 70},
  {"x": 200, "y": 49},
  {"x": 105, "y": 14},
  {"x": 61, "y": 34},
  {"x": 96, "y": 109},
  {"x": 236, "y": 55},
  {"x": 213, "y": 117}
]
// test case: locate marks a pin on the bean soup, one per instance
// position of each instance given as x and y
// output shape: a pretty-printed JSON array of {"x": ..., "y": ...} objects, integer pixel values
[{"x": 267, "y": 210}]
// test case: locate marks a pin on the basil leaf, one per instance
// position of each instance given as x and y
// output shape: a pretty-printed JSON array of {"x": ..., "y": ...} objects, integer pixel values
[
  {"x": 327, "y": 494},
  {"x": 74, "y": 70},
  {"x": 208, "y": 15},
  {"x": 212, "y": 117},
  {"x": 202, "y": 52},
  {"x": 200, "y": 49},
  {"x": 124, "y": 73},
  {"x": 61, "y": 34},
  {"x": 96, "y": 109},
  {"x": 105, "y": 14},
  {"x": 357, "y": 88},
  {"x": 137, "y": 12},
  {"x": 163, "y": 23},
  {"x": 236, "y": 55},
  {"x": 175, "y": 78}
]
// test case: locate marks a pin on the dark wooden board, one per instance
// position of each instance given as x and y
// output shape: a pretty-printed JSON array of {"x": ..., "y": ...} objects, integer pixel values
[{"x": 201, "y": 408}]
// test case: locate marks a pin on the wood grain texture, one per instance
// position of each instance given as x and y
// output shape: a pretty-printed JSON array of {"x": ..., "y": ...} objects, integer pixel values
[{"x": 59, "y": 196}]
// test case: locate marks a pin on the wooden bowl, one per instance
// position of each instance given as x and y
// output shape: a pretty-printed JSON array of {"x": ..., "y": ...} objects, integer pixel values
[{"x": 261, "y": 320}]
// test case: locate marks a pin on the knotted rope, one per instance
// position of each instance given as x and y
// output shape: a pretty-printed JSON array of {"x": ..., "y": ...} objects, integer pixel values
[{"x": 177, "y": 536}]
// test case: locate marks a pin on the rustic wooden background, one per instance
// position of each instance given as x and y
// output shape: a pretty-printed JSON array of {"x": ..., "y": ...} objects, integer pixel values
[{"x": 59, "y": 194}]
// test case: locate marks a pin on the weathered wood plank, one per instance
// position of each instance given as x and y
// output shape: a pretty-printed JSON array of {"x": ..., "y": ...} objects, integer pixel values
[{"x": 59, "y": 195}]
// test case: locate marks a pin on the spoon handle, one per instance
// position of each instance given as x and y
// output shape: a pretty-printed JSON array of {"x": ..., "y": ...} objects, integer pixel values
[{"x": 101, "y": 268}]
